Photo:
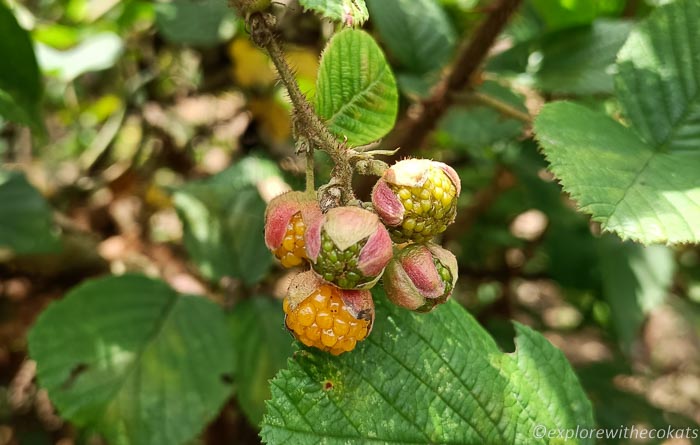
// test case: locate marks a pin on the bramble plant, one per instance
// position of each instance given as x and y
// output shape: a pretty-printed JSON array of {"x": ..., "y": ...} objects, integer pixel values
[{"x": 333, "y": 222}]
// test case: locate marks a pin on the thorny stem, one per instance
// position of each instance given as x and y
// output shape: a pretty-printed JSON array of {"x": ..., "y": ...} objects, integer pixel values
[{"x": 306, "y": 122}]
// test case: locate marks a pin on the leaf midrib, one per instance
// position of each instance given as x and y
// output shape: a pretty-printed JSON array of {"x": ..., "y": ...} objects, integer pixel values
[
  {"x": 661, "y": 148},
  {"x": 357, "y": 97},
  {"x": 632, "y": 183},
  {"x": 149, "y": 339}
]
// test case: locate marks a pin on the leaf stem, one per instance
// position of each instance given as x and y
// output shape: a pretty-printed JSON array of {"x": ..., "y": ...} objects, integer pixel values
[
  {"x": 500, "y": 106},
  {"x": 310, "y": 180}
]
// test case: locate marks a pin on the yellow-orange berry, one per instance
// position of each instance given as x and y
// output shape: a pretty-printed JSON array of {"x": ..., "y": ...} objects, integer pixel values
[
  {"x": 287, "y": 218},
  {"x": 292, "y": 252},
  {"x": 322, "y": 320},
  {"x": 427, "y": 209},
  {"x": 417, "y": 199}
]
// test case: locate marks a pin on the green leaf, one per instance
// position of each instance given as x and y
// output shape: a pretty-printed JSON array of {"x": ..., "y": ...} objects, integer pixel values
[
  {"x": 476, "y": 128},
  {"x": 630, "y": 187},
  {"x": 349, "y": 12},
  {"x": 636, "y": 279},
  {"x": 20, "y": 84},
  {"x": 133, "y": 360},
  {"x": 262, "y": 347},
  {"x": 559, "y": 14},
  {"x": 56, "y": 35},
  {"x": 26, "y": 221},
  {"x": 568, "y": 250},
  {"x": 356, "y": 90},
  {"x": 581, "y": 61},
  {"x": 417, "y": 85},
  {"x": 95, "y": 53},
  {"x": 426, "y": 378},
  {"x": 195, "y": 22},
  {"x": 658, "y": 83},
  {"x": 416, "y": 32},
  {"x": 223, "y": 219},
  {"x": 644, "y": 189}
]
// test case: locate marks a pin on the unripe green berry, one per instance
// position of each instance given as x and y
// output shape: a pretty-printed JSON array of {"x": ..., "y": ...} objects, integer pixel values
[{"x": 349, "y": 248}]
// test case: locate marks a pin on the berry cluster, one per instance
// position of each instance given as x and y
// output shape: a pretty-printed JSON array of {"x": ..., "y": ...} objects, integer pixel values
[{"x": 350, "y": 248}]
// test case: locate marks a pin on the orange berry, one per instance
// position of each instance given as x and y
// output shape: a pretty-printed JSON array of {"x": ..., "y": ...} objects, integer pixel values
[
  {"x": 323, "y": 319},
  {"x": 292, "y": 252}
]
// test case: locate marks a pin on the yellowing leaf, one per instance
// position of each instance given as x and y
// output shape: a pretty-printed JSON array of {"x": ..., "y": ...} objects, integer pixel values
[
  {"x": 304, "y": 62},
  {"x": 253, "y": 68}
]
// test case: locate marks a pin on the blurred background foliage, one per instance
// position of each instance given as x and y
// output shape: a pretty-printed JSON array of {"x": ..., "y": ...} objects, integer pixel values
[{"x": 155, "y": 132}]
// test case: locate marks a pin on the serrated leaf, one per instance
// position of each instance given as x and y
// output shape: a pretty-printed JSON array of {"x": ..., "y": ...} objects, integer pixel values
[
  {"x": 348, "y": 12},
  {"x": 581, "y": 61},
  {"x": 356, "y": 90},
  {"x": 636, "y": 279},
  {"x": 658, "y": 83},
  {"x": 417, "y": 33},
  {"x": 223, "y": 219},
  {"x": 645, "y": 189},
  {"x": 426, "y": 378},
  {"x": 26, "y": 220},
  {"x": 20, "y": 83},
  {"x": 628, "y": 186},
  {"x": 138, "y": 362},
  {"x": 262, "y": 347}
]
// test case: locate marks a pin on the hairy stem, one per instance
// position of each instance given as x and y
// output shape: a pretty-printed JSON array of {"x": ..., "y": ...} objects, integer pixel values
[{"x": 307, "y": 124}]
